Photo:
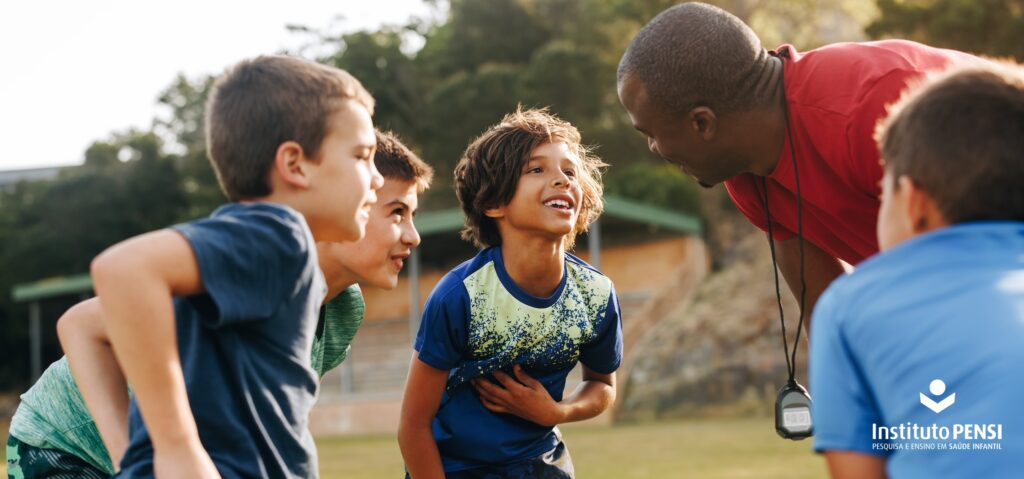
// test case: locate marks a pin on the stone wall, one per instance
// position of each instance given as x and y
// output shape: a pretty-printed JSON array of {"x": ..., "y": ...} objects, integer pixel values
[{"x": 721, "y": 352}]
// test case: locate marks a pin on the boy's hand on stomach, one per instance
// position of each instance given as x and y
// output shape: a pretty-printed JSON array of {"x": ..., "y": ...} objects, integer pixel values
[{"x": 521, "y": 396}]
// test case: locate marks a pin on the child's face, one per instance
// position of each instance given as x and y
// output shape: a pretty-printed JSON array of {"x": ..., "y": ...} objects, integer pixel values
[
  {"x": 346, "y": 179},
  {"x": 894, "y": 223},
  {"x": 377, "y": 259},
  {"x": 548, "y": 195}
]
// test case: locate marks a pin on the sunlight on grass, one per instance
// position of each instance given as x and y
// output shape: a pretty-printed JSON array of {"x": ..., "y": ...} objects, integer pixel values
[
  {"x": 719, "y": 448},
  {"x": 743, "y": 448}
]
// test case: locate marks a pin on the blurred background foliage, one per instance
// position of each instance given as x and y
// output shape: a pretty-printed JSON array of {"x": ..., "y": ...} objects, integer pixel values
[{"x": 438, "y": 83}]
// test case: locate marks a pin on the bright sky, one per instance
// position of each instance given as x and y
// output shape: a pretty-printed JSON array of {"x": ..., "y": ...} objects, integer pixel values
[{"x": 75, "y": 71}]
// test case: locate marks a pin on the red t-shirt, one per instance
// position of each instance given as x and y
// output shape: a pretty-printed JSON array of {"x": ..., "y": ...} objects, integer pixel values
[{"x": 836, "y": 95}]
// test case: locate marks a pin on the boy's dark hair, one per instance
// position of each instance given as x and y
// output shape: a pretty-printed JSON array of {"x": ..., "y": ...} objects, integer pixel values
[
  {"x": 960, "y": 137},
  {"x": 263, "y": 102},
  {"x": 489, "y": 170},
  {"x": 396, "y": 161}
]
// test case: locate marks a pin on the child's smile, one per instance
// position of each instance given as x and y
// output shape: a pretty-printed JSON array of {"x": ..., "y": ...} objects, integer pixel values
[{"x": 562, "y": 203}]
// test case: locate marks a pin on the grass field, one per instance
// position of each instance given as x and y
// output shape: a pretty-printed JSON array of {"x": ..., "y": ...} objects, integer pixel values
[{"x": 740, "y": 448}]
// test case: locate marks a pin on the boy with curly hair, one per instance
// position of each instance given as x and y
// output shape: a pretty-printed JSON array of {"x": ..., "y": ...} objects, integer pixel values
[{"x": 501, "y": 332}]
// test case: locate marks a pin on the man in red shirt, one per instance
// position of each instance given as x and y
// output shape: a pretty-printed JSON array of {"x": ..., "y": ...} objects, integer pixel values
[{"x": 710, "y": 99}]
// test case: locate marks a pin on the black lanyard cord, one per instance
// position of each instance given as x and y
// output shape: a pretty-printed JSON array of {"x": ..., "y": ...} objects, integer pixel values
[{"x": 790, "y": 359}]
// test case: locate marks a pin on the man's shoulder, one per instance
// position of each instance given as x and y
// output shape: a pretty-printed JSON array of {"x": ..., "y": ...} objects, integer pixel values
[
  {"x": 843, "y": 76},
  {"x": 882, "y": 56}
]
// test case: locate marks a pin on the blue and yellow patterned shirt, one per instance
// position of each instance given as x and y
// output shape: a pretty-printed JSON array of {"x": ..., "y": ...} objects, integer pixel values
[{"x": 477, "y": 321}]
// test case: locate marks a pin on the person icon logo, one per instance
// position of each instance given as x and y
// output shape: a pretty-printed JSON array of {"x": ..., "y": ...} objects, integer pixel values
[{"x": 937, "y": 388}]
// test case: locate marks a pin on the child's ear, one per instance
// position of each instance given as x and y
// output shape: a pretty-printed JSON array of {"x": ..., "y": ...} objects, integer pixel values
[
  {"x": 292, "y": 165},
  {"x": 495, "y": 213},
  {"x": 923, "y": 212}
]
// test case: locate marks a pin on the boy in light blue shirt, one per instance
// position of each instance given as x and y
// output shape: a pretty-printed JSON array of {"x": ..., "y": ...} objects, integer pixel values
[{"x": 916, "y": 357}]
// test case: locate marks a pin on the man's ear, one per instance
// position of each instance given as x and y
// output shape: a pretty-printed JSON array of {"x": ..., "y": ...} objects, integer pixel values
[
  {"x": 291, "y": 165},
  {"x": 923, "y": 212},
  {"x": 704, "y": 122}
]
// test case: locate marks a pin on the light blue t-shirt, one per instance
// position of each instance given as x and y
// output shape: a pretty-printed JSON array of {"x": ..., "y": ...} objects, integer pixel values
[
  {"x": 478, "y": 321},
  {"x": 919, "y": 354}
]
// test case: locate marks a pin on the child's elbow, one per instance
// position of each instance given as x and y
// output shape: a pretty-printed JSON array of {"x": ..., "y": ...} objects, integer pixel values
[
  {"x": 405, "y": 435},
  {"x": 104, "y": 266},
  {"x": 405, "y": 429},
  {"x": 66, "y": 327},
  {"x": 75, "y": 321},
  {"x": 116, "y": 267},
  {"x": 411, "y": 428}
]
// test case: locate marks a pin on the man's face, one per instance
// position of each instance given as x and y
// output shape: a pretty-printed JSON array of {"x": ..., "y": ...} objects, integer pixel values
[
  {"x": 548, "y": 195},
  {"x": 390, "y": 237},
  {"x": 345, "y": 178},
  {"x": 894, "y": 222},
  {"x": 671, "y": 137}
]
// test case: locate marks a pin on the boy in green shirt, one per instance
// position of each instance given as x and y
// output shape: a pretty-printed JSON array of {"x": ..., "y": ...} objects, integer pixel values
[{"x": 52, "y": 431}]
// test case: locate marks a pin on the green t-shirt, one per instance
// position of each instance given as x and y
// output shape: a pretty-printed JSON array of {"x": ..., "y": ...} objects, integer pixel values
[
  {"x": 52, "y": 414},
  {"x": 339, "y": 320}
]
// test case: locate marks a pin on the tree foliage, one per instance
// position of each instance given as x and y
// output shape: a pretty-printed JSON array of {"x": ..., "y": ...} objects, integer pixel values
[
  {"x": 438, "y": 84},
  {"x": 990, "y": 27}
]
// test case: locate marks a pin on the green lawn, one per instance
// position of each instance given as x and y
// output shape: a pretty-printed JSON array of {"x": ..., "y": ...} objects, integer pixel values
[
  {"x": 740, "y": 448},
  {"x": 744, "y": 448}
]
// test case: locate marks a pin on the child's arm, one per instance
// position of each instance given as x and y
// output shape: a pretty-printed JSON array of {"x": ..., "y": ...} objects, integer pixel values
[
  {"x": 136, "y": 281},
  {"x": 96, "y": 373},
  {"x": 527, "y": 398},
  {"x": 423, "y": 391}
]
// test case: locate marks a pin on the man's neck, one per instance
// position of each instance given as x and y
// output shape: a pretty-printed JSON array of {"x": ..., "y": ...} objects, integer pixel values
[
  {"x": 765, "y": 125},
  {"x": 534, "y": 264}
]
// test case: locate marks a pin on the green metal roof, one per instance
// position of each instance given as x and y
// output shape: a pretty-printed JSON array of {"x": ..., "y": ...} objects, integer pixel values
[
  {"x": 50, "y": 287},
  {"x": 427, "y": 224},
  {"x": 642, "y": 213},
  {"x": 439, "y": 221}
]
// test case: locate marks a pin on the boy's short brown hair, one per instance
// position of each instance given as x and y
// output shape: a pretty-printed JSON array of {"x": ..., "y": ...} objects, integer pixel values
[
  {"x": 396, "y": 161},
  {"x": 263, "y": 102},
  {"x": 960, "y": 137},
  {"x": 489, "y": 170}
]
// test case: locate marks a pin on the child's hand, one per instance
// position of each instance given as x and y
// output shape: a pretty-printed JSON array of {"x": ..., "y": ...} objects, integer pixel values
[{"x": 526, "y": 398}]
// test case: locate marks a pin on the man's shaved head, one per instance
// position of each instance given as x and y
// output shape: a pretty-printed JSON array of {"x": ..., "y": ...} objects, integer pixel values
[{"x": 696, "y": 54}]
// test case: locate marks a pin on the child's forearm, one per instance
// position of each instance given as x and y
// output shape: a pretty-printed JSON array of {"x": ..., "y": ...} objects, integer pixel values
[
  {"x": 97, "y": 374},
  {"x": 135, "y": 288},
  {"x": 422, "y": 397},
  {"x": 419, "y": 451},
  {"x": 590, "y": 399}
]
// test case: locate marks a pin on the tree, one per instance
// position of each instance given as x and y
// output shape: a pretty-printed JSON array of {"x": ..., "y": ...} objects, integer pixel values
[
  {"x": 377, "y": 60},
  {"x": 184, "y": 126},
  {"x": 990, "y": 27}
]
